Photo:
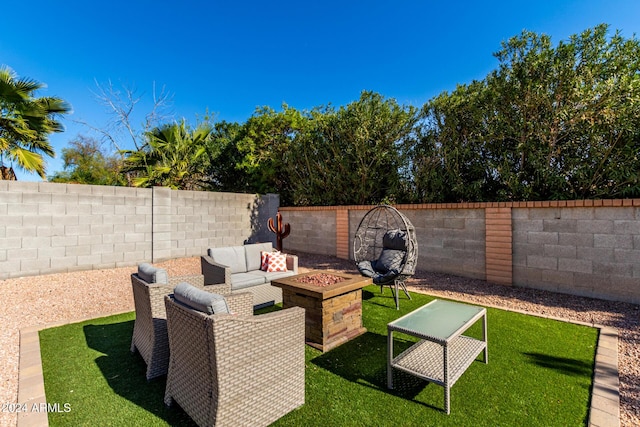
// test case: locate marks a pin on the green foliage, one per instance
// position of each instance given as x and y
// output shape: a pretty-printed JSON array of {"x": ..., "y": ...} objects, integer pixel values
[
  {"x": 356, "y": 152},
  {"x": 26, "y": 122},
  {"x": 449, "y": 161},
  {"x": 222, "y": 168},
  {"x": 172, "y": 157},
  {"x": 86, "y": 163},
  {"x": 549, "y": 123},
  {"x": 264, "y": 142}
]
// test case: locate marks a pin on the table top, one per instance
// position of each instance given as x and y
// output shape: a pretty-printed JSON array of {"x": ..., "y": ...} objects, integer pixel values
[
  {"x": 350, "y": 283},
  {"x": 440, "y": 321}
]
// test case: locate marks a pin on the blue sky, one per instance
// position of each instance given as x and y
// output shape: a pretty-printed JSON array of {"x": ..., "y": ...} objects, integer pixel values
[{"x": 230, "y": 57}]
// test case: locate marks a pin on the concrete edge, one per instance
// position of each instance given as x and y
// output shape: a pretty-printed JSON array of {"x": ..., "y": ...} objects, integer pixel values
[{"x": 32, "y": 401}]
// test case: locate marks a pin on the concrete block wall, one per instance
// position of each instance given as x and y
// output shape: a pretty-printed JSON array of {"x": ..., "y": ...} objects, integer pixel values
[
  {"x": 449, "y": 240},
  {"x": 199, "y": 220},
  {"x": 313, "y": 230},
  {"x": 583, "y": 247},
  {"x": 591, "y": 251},
  {"x": 589, "y": 248},
  {"x": 48, "y": 227}
]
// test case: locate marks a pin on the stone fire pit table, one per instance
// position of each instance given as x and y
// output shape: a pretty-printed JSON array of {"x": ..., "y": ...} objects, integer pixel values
[{"x": 332, "y": 303}]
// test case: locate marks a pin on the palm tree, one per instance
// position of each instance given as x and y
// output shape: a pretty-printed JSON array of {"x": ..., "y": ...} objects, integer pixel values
[
  {"x": 172, "y": 157},
  {"x": 25, "y": 124}
]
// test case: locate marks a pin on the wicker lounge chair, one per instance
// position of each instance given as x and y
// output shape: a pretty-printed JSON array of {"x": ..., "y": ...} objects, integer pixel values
[
  {"x": 235, "y": 370},
  {"x": 385, "y": 248},
  {"x": 150, "y": 285}
]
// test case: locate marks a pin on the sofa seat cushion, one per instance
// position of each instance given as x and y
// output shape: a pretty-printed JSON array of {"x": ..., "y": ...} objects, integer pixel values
[
  {"x": 199, "y": 299},
  {"x": 390, "y": 260},
  {"x": 246, "y": 280},
  {"x": 151, "y": 274},
  {"x": 269, "y": 276},
  {"x": 233, "y": 257}
]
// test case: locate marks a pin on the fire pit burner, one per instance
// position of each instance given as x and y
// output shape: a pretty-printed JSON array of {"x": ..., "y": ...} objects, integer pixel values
[{"x": 321, "y": 279}]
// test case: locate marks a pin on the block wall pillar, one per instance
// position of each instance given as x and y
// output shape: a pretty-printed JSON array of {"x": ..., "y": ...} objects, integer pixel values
[
  {"x": 161, "y": 224},
  {"x": 499, "y": 253},
  {"x": 342, "y": 233}
]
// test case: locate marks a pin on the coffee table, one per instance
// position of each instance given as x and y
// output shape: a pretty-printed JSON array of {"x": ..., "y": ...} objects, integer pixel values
[
  {"x": 333, "y": 313},
  {"x": 443, "y": 353}
]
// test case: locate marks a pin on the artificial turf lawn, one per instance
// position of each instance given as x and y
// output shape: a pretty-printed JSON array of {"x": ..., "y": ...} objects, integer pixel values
[{"x": 539, "y": 374}]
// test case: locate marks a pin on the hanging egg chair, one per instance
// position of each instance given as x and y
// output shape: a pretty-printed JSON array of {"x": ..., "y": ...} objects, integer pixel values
[{"x": 385, "y": 248}]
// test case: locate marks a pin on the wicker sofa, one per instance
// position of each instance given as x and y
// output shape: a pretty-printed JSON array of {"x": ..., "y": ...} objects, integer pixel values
[
  {"x": 240, "y": 268},
  {"x": 150, "y": 285},
  {"x": 234, "y": 369}
]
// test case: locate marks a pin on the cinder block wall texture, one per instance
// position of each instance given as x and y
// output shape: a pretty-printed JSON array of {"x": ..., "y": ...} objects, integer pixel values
[
  {"x": 589, "y": 251},
  {"x": 312, "y": 230},
  {"x": 49, "y": 228},
  {"x": 582, "y": 247},
  {"x": 449, "y": 240}
]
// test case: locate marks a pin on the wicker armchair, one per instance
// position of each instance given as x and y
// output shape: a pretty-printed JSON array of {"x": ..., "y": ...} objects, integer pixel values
[
  {"x": 150, "y": 326},
  {"x": 235, "y": 370}
]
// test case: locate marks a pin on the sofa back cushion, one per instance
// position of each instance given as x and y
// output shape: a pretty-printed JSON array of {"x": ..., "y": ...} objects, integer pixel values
[
  {"x": 199, "y": 299},
  {"x": 252, "y": 253},
  {"x": 151, "y": 274},
  {"x": 232, "y": 256}
]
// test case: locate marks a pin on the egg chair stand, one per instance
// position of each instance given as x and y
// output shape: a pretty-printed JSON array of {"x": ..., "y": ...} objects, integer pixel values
[{"x": 385, "y": 248}]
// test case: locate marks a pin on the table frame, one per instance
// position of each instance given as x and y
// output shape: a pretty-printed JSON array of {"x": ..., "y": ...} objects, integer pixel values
[{"x": 436, "y": 359}]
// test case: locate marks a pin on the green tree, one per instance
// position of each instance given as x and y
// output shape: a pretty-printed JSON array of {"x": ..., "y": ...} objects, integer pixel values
[
  {"x": 25, "y": 124},
  {"x": 172, "y": 157},
  {"x": 86, "y": 163},
  {"x": 550, "y": 123},
  {"x": 223, "y": 167},
  {"x": 449, "y": 160},
  {"x": 565, "y": 121},
  {"x": 264, "y": 142},
  {"x": 356, "y": 154}
]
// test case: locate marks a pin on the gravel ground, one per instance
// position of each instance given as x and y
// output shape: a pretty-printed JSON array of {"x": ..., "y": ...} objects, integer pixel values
[{"x": 73, "y": 296}]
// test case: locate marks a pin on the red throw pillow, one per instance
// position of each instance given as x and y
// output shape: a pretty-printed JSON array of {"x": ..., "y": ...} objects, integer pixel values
[
  {"x": 264, "y": 260},
  {"x": 277, "y": 262}
]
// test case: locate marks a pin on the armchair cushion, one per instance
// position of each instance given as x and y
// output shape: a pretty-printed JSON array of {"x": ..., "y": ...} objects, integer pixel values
[
  {"x": 395, "y": 239},
  {"x": 390, "y": 260},
  {"x": 151, "y": 274},
  {"x": 366, "y": 269},
  {"x": 200, "y": 300}
]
